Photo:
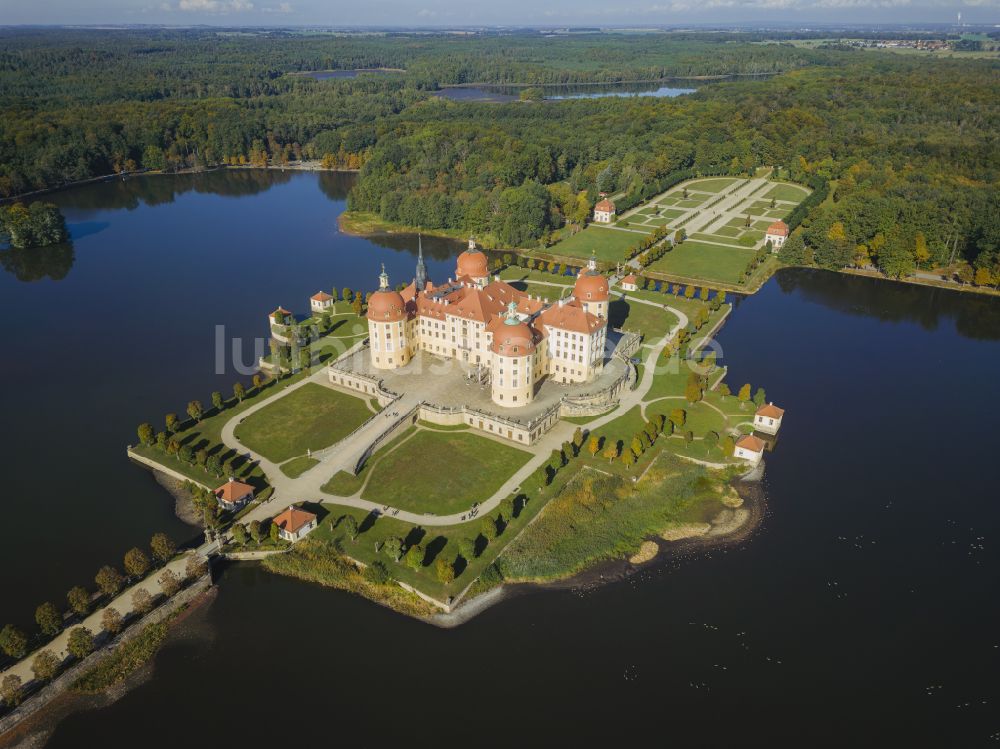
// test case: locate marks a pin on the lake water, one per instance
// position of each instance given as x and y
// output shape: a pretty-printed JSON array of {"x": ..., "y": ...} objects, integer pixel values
[
  {"x": 863, "y": 612},
  {"x": 503, "y": 94}
]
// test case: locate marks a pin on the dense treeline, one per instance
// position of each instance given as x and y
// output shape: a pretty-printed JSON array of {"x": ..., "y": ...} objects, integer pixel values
[
  {"x": 902, "y": 154},
  {"x": 905, "y": 147},
  {"x": 83, "y": 103}
]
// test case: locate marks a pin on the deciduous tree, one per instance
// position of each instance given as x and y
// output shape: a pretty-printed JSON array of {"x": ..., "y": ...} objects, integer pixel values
[
  {"x": 49, "y": 619},
  {"x": 136, "y": 562},
  {"x": 80, "y": 643},
  {"x": 109, "y": 580}
]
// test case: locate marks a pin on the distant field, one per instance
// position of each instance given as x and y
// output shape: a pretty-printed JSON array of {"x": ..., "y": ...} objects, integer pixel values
[
  {"x": 607, "y": 244},
  {"x": 707, "y": 262}
]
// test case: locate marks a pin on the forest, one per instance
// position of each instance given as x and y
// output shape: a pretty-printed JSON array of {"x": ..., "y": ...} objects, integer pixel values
[{"x": 906, "y": 146}]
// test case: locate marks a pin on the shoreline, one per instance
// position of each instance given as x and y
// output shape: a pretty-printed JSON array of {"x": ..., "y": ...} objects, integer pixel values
[
  {"x": 299, "y": 166},
  {"x": 731, "y": 526},
  {"x": 35, "y": 729}
]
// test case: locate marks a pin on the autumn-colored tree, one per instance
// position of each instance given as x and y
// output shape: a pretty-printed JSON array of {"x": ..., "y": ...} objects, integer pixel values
[
  {"x": 611, "y": 451},
  {"x": 169, "y": 583},
  {"x": 146, "y": 434},
  {"x": 171, "y": 423},
  {"x": 136, "y": 562},
  {"x": 142, "y": 601},
  {"x": 594, "y": 445},
  {"x": 80, "y": 643},
  {"x": 13, "y": 641},
  {"x": 677, "y": 417},
  {"x": 49, "y": 619},
  {"x": 111, "y": 620},
  {"x": 636, "y": 446},
  {"x": 162, "y": 546},
  {"x": 744, "y": 394},
  {"x": 217, "y": 402},
  {"x": 45, "y": 665},
  {"x": 195, "y": 410},
  {"x": 628, "y": 458},
  {"x": 79, "y": 600},
  {"x": 692, "y": 392},
  {"x": 11, "y": 690},
  {"x": 109, "y": 580},
  {"x": 728, "y": 446}
]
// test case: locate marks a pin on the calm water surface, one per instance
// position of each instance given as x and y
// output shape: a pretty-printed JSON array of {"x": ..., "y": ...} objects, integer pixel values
[
  {"x": 503, "y": 94},
  {"x": 864, "y": 612}
]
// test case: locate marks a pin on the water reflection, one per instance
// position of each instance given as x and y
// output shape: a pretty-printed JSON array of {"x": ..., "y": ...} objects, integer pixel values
[
  {"x": 974, "y": 315},
  {"x": 35, "y": 263}
]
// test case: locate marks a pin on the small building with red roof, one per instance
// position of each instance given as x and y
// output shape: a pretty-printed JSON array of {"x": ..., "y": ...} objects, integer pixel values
[
  {"x": 768, "y": 418},
  {"x": 234, "y": 494},
  {"x": 294, "y": 523},
  {"x": 630, "y": 282},
  {"x": 776, "y": 234},
  {"x": 750, "y": 449},
  {"x": 604, "y": 212},
  {"x": 321, "y": 302}
]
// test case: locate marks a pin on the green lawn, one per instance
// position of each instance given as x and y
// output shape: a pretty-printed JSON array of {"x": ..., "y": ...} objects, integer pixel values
[
  {"x": 297, "y": 466},
  {"x": 312, "y": 417},
  {"x": 635, "y": 316},
  {"x": 792, "y": 193},
  {"x": 714, "y": 186},
  {"x": 609, "y": 245},
  {"x": 705, "y": 262},
  {"x": 440, "y": 464}
]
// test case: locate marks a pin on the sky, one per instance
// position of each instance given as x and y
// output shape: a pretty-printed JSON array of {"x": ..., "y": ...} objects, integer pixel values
[{"x": 414, "y": 13}]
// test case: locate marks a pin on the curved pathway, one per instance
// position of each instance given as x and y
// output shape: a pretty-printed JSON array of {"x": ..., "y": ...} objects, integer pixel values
[{"x": 341, "y": 456}]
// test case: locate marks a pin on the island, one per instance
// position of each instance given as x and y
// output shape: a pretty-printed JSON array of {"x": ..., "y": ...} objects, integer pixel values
[{"x": 431, "y": 444}]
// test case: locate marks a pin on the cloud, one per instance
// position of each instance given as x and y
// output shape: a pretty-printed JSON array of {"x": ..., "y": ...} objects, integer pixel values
[
  {"x": 214, "y": 6},
  {"x": 282, "y": 8}
]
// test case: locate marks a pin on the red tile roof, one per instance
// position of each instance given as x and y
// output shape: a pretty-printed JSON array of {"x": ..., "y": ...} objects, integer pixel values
[
  {"x": 771, "y": 411},
  {"x": 751, "y": 443},
  {"x": 779, "y": 228},
  {"x": 292, "y": 519},
  {"x": 570, "y": 317},
  {"x": 630, "y": 278},
  {"x": 321, "y": 296},
  {"x": 605, "y": 205},
  {"x": 233, "y": 491}
]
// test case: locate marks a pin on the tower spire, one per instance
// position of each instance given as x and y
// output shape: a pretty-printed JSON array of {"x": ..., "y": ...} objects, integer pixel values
[
  {"x": 420, "y": 280},
  {"x": 383, "y": 279},
  {"x": 592, "y": 263}
]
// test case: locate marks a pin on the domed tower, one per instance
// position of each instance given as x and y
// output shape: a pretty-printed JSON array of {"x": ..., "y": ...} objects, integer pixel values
[
  {"x": 513, "y": 350},
  {"x": 473, "y": 263},
  {"x": 591, "y": 290},
  {"x": 390, "y": 346}
]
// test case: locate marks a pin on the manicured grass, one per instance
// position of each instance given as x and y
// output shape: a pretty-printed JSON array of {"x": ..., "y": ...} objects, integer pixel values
[
  {"x": 297, "y": 466},
  {"x": 312, "y": 417},
  {"x": 609, "y": 245},
  {"x": 635, "y": 316},
  {"x": 791, "y": 193},
  {"x": 436, "y": 541},
  {"x": 440, "y": 464},
  {"x": 696, "y": 260},
  {"x": 714, "y": 186}
]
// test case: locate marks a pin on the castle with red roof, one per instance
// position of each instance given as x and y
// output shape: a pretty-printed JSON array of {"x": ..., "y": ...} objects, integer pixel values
[{"x": 515, "y": 339}]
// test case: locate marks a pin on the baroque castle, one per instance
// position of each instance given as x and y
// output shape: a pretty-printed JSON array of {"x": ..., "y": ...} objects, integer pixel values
[{"x": 514, "y": 340}]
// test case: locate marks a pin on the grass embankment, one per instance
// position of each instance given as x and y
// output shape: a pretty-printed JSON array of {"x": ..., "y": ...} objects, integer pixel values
[
  {"x": 311, "y": 418},
  {"x": 318, "y": 560},
  {"x": 600, "y": 517},
  {"x": 129, "y": 657}
]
